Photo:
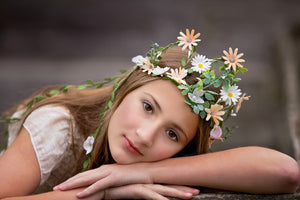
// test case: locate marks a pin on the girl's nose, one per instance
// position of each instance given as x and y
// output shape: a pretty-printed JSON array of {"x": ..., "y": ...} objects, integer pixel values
[{"x": 147, "y": 134}]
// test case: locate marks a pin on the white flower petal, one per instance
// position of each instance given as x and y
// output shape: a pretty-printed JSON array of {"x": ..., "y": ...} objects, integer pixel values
[{"x": 88, "y": 144}]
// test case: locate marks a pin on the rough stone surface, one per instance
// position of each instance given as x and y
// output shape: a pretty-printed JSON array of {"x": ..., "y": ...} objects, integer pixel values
[{"x": 245, "y": 197}]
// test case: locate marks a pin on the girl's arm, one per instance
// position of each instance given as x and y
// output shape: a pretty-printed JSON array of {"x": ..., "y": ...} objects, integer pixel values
[
  {"x": 246, "y": 169},
  {"x": 19, "y": 168}
]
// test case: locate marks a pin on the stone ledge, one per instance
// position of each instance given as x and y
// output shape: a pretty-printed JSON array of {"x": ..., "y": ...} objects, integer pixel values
[{"x": 210, "y": 196}]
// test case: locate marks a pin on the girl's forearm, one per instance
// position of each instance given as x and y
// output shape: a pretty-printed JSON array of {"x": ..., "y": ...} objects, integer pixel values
[
  {"x": 54, "y": 195},
  {"x": 248, "y": 169}
]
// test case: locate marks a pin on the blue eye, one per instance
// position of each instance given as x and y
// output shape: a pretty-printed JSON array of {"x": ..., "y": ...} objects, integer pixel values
[
  {"x": 172, "y": 135},
  {"x": 147, "y": 107}
]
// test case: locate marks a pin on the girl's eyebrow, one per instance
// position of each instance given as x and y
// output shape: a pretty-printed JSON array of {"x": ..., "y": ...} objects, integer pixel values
[
  {"x": 159, "y": 108},
  {"x": 154, "y": 100}
]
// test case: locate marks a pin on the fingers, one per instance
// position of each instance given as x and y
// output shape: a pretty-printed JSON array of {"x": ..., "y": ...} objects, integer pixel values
[
  {"x": 80, "y": 180},
  {"x": 187, "y": 189},
  {"x": 149, "y": 191},
  {"x": 99, "y": 185},
  {"x": 181, "y": 192}
]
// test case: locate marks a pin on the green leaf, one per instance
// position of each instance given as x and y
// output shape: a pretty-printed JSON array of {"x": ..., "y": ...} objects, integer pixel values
[
  {"x": 54, "y": 92},
  {"x": 226, "y": 84},
  {"x": 90, "y": 82},
  {"x": 222, "y": 68},
  {"x": 196, "y": 109},
  {"x": 243, "y": 70},
  {"x": 201, "y": 107},
  {"x": 183, "y": 87},
  {"x": 185, "y": 92},
  {"x": 214, "y": 64},
  {"x": 206, "y": 81},
  {"x": 209, "y": 97},
  {"x": 183, "y": 62},
  {"x": 65, "y": 89},
  {"x": 206, "y": 104},
  {"x": 39, "y": 98},
  {"x": 86, "y": 164},
  {"x": 112, "y": 96},
  {"x": 236, "y": 79},
  {"x": 230, "y": 76},
  {"x": 202, "y": 114},
  {"x": 81, "y": 87},
  {"x": 207, "y": 75},
  {"x": 109, "y": 104},
  {"x": 211, "y": 92},
  {"x": 217, "y": 83},
  {"x": 123, "y": 71},
  {"x": 99, "y": 85},
  {"x": 108, "y": 79}
]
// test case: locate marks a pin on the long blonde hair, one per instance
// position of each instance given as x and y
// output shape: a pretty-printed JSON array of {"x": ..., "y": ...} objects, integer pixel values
[{"x": 85, "y": 106}]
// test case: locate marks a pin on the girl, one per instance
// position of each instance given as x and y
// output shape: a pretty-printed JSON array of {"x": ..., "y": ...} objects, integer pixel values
[{"x": 150, "y": 140}]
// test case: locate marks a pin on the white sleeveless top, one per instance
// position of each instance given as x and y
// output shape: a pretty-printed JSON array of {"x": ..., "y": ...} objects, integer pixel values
[{"x": 57, "y": 149}]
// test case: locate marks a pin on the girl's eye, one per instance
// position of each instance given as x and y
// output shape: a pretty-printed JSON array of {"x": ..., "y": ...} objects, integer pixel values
[
  {"x": 148, "y": 107},
  {"x": 172, "y": 135}
]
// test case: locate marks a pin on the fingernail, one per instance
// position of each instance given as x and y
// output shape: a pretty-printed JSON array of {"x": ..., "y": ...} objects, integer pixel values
[
  {"x": 56, "y": 188},
  {"x": 189, "y": 194},
  {"x": 196, "y": 191},
  {"x": 79, "y": 194}
]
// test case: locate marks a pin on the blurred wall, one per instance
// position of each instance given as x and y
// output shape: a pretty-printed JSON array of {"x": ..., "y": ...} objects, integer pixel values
[{"x": 68, "y": 42}]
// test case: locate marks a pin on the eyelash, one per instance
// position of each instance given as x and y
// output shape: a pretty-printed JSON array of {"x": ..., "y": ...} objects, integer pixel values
[
  {"x": 146, "y": 106},
  {"x": 176, "y": 136}
]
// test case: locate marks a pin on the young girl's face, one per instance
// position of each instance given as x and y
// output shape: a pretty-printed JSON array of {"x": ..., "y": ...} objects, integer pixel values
[{"x": 152, "y": 123}]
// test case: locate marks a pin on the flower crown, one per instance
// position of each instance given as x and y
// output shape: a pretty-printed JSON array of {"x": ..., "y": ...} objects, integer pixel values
[{"x": 210, "y": 105}]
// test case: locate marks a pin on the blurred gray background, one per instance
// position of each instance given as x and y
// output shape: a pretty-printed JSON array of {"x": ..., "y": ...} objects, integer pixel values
[{"x": 70, "y": 41}]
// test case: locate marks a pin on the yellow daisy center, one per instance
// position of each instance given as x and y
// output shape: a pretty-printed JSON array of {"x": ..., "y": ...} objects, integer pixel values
[
  {"x": 230, "y": 94},
  {"x": 200, "y": 65},
  {"x": 90, "y": 144}
]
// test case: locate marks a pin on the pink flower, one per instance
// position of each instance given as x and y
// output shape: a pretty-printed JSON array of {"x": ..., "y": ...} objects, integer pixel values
[
  {"x": 178, "y": 75},
  {"x": 233, "y": 59},
  {"x": 189, "y": 39},
  {"x": 216, "y": 132},
  {"x": 215, "y": 113}
]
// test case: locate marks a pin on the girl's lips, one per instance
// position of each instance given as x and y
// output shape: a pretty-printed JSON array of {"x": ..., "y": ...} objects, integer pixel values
[{"x": 130, "y": 146}]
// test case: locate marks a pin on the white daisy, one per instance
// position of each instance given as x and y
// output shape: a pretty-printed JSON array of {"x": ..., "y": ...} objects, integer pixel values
[
  {"x": 196, "y": 96},
  {"x": 160, "y": 71},
  {"x": 201, "y": 63},
  {"x": 231, "y": 95},
  {"x": 88, "y": 144}
]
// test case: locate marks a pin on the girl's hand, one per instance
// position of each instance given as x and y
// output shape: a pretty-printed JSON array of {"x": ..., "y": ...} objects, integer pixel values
[
  {"x": 145, "y": 191},
  {"x": 106, "y": 176}
]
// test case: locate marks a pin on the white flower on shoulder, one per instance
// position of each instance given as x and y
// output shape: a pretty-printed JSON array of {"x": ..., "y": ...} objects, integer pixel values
[
  {"x": 196, "y": 96},
  {"x": 178, "y": 75},
  {"x": 201, "y": 63},
  {"x": 88, "y": 144},
  {"x": 160, "y": 71},
  {"x": 231, "y": 95}
]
